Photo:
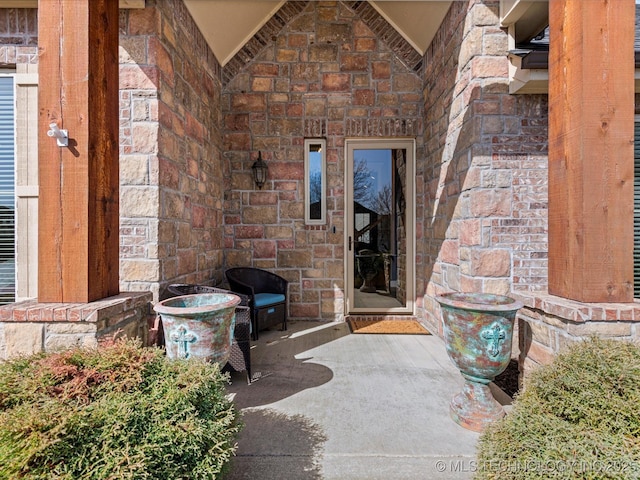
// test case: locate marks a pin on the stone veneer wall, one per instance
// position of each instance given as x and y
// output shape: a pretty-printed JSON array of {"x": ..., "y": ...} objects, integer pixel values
[
  {"x": 326, "y": 75},
  {"x": 30, "y": 327},
  {"x": 547, "y": 324},
  {"x": 171, "y": 160},
  {"x": 171, "y": 164},
  {"x": 485, "y": 222},
  {"x": 485, "y": 175},
  {"x": 481, "y": 177},
  {"x": 18, "y": 36}
]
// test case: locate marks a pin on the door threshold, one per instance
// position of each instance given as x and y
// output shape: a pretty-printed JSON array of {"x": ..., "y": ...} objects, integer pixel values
[{"x": 380, "y": 316}]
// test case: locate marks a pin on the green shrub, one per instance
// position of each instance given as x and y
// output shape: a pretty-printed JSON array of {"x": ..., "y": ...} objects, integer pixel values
[
  {"x": 576, "y": 418},
  {"x": 118, "y": 412}
]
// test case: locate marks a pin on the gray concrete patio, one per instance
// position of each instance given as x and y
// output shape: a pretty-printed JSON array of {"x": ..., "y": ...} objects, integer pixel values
[{"x": 329, "y": 404}]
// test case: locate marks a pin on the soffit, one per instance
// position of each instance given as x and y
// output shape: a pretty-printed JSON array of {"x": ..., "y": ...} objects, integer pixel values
[
  {"x": 227, "y": 25},
  {"x": 528, "y": 16},
  {"x": 416, "y": 21}
]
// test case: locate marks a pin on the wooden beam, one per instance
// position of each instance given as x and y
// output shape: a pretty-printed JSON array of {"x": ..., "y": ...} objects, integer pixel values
[
  {"x": 591, "y": 103},
  {"x": 78, "y": 216}
]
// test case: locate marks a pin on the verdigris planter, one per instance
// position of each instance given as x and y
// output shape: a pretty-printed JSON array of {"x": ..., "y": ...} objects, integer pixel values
[
  {"x": 478, "y": 330},
  {"x": 199, "y": 326},
  {"x": 368, "y": 266}
]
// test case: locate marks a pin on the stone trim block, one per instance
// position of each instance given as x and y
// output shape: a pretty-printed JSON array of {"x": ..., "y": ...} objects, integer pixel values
[
  {"x": 577, "y": 311},
  {"x": 547, "y": 324},
  {"x": 21, "y": 339},
  {"x": 30, "y": 327}
]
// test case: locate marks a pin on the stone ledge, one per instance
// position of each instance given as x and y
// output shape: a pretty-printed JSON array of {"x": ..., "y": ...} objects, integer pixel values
[
  {"x": 30, "y": 327},
  {"x": 579, "y": 312},
  {"x": 33, "y": 311}
]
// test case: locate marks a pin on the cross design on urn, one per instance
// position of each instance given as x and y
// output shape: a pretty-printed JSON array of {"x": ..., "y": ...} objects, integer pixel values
[
  {"x": 495, "y": 334},
  {"x": 182, "y": 338}
]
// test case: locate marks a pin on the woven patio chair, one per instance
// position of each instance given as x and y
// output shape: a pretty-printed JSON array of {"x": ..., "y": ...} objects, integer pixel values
[
  {"x": 240, "y": 357},
  {"x": 267, "y": 292}
]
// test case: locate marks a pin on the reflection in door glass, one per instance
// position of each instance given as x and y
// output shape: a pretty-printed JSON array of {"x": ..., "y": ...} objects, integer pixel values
[
  {"x": 315, "y": 181},
  {"x": 379, "y": 240}
]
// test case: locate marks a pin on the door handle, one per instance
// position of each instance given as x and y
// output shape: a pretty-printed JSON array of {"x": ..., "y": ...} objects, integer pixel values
[{"x": 349, "y": 243}]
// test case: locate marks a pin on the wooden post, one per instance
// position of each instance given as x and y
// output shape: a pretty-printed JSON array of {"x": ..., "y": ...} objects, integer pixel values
[
  {"x": 591, "y": 107},
  {"x": 78, "y": 210}
]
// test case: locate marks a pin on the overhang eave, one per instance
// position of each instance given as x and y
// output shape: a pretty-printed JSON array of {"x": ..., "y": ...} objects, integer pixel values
[{"x": 529, "y": 72}]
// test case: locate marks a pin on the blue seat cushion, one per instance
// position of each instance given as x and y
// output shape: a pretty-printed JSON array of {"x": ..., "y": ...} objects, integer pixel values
[{"x": 264, "y": 299}]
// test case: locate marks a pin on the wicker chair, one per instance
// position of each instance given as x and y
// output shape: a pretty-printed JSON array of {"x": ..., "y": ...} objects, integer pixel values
[
  {"x": 240, "y": 357},
  {"x": 267, "y": 292}
]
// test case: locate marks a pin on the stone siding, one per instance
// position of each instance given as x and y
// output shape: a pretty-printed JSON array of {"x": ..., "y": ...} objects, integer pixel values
[
  {"x": 547, "y": 324},
  {"x": 485, "y": 181},
  {"x": 188, "y": 140},
  {"x": 18, "y": 36},
  {"x": 171, "y": 161},
  {"x": 30, "y": 327},
  {"x": 325, "y": 75},
  {"x": 484, "y": 174},
  {"x": 19, "y": 26}
]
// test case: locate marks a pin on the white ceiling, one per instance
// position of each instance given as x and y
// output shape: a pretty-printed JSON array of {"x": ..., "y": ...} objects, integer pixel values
[
  {"x": 417, "y": 21},
  {"x": 228, "y": 24}
]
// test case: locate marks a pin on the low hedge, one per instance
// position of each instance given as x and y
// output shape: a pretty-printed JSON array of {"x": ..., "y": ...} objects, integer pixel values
[
  {"x": 117, "y": 412},
  {"x": 578, "y": 417}
]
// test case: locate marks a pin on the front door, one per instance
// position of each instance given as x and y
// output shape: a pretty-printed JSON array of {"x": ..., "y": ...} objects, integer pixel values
[{"x": 379, "y": 215}]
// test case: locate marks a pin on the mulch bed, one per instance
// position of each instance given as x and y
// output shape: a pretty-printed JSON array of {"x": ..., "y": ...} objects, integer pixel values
[{"x": 508, "y": 380}]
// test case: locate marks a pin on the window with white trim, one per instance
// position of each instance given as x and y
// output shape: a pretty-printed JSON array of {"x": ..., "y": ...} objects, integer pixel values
[{"x": 7, "y": 191}]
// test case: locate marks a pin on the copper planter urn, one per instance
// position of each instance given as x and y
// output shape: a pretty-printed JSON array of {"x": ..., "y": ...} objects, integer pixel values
[
  {"x": 478, "y": 331},
  {"x": 199, "y": 326}
]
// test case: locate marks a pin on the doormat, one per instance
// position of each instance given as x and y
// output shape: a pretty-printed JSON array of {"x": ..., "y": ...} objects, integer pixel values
[{"x": 408, "y": 327}]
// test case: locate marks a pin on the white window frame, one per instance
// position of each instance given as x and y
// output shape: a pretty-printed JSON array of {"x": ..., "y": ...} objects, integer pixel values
[
  {"x": 409, "y": 145},
  {"x": 27, "y": 190},
  {"x": 7, "y": 267}
]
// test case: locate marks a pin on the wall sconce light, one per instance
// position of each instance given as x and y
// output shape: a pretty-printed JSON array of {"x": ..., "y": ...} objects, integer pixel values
[
  {"x": 259, "y": 171},
  {"x": 61, "y": 136}
]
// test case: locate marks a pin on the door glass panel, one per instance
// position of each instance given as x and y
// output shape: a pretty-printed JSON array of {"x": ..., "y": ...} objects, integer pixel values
[{"x": 378, "y": 238}]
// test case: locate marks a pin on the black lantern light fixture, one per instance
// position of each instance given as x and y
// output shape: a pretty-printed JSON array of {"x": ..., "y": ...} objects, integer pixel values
[{"x": 259, "y": 171}]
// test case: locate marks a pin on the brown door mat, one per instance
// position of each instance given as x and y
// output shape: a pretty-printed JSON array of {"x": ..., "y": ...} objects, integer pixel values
[{"x": 410, "y": 327}]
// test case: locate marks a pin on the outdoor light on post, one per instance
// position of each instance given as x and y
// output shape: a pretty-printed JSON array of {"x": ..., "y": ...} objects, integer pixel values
[
  {"x": 61, "y": 136},
  {"x": 259, "y": 171}
]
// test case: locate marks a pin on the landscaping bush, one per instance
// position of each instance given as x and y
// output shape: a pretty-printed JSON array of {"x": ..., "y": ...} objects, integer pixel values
[
  {"x": 118, "y": 412},
  {"x": 576, "y": 418}
]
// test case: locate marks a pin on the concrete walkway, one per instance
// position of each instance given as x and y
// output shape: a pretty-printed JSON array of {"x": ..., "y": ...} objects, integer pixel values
[{"x": 329, "y": 404}]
